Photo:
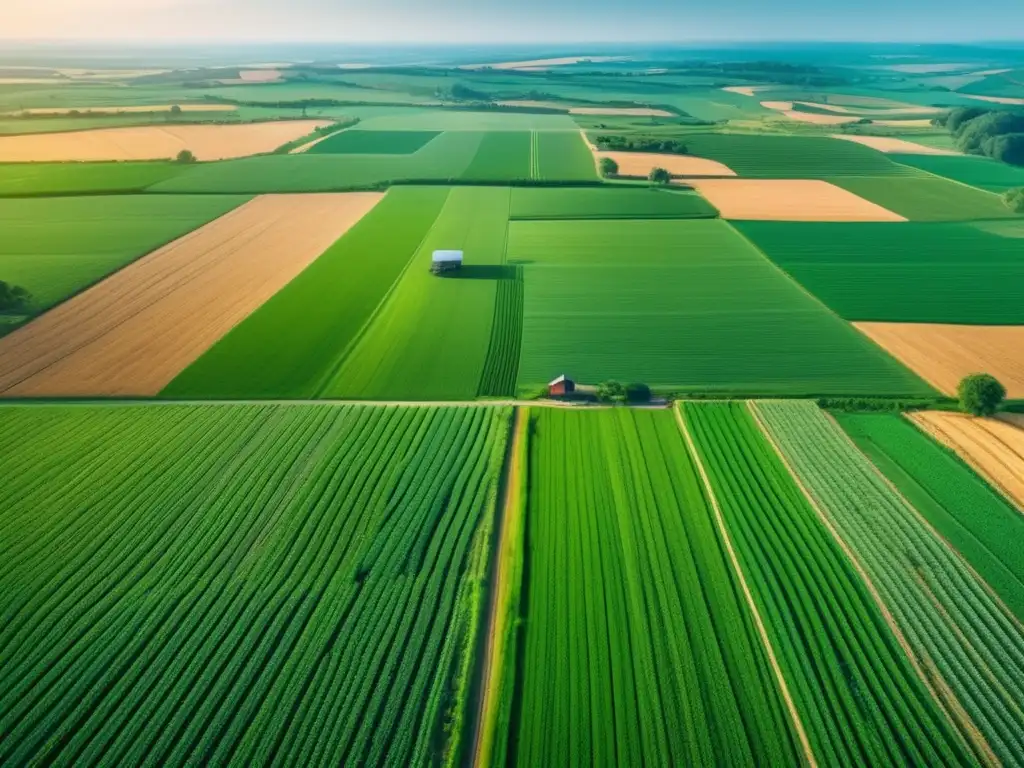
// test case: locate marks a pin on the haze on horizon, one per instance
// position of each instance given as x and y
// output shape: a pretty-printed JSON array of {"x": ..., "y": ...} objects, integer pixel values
[{"x": 523, "y": 21}]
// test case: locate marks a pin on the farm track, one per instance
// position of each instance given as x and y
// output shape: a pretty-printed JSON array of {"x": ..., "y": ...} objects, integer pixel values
[
  {"x": 239, "y": 587},
  {"x": 969, "y": 645},
  {"x": 499, "y": 614}
]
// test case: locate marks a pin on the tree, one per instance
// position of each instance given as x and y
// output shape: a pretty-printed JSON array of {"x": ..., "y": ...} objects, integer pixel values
[
  {"x": 980, "y": 394},
  {"x": 1014, "y": 199},
  {"x": 175, "y": 110},
  {"x": 611, "y": 391},
  {"x": 13, "y": 298},
  {"x": 659, "y": 176},
  {"x": 609, "y": 167},
  {"x": 185, "y": 157},
  {"x": 638, "y": 393}
]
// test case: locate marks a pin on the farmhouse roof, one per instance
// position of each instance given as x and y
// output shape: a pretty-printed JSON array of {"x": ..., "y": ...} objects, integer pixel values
[{"x": 559, "y": 380}]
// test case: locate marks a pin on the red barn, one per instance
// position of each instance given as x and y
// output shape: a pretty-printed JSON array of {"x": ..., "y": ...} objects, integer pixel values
[{"x": 563, "y": 385}]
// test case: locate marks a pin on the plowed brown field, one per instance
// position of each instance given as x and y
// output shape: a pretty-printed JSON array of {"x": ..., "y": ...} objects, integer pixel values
[{"x": 134, "y": 332}]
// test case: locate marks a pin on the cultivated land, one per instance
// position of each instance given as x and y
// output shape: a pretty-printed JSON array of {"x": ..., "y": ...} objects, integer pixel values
[
  {"x": 908, "y": 272},
  {"x": 968, "y": 645},
  {"x": 134, "y": 332},
  {"x": 993, "y": 447},
  {"x": 294, "y": 584},
  {"x": 788, "y": 200},
  {"x": 692, "y": 308},
  {"x": 943, "y": 354},
  {"x": 206, "y": 142},
  {"x": 427, "y": 571},
  {"x": 292, "y": 344},
  {"x": 56, "y": 247},
  {"x": 840, "y": 658},
  {"x": 976, "y": 520},
  {"x": 637, "y": 646}
]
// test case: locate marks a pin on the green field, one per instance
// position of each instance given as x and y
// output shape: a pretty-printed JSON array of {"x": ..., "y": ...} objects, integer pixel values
[
  {"x": 976, "y": 520},
  {"x": 563, "y": 155},
  {"x": 951, "y": 620},
  {"x": 502, "y": 156},
  {"x": 293, "y": 343},
  {"x": 638, "y": 647},
  {"x": 446, "y": 157},
  {"x": 859, "y": 698},
  {"x": 903, "y": 272},
  {"x": 56, "y": 247},
  {"x": 242, "y": 584},
  {"x": 681, "y": 305},
  {"x": 430, "y": 339},
  {"x": 928, "y": 198},
  {"x": 981, "y": 172},
  {"x": 792, "y": 157},
  {"x": 359, "y": 142},
  {"x": 608, "y": 203},
  {"x": 25, "y": 179}
]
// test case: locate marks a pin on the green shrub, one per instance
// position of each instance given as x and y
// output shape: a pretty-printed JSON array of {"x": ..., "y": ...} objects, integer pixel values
[
  {"x": 1014, "y": 199},
  {"x": 659, "y": 176},
  {"x": 638, "y": 392},
  {"x": 13, "y": 298},
  {"x": 980, "y": 394},
  {"x": 609, "y": 167},
  {"x": 611, "y": 391},
  {"x": 185, "y": 157}
]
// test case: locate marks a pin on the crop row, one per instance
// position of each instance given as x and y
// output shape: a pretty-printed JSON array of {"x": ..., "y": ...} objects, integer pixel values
[
  {"x": 858, "y": 695},
  {"x": 968, "y": 644},
  {"x": 638, "y": 648},
  {"x": 502, "y": 363},
  {"x": 251, "y": 584}
]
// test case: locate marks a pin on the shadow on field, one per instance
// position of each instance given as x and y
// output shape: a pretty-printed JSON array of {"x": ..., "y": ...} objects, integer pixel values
[{"x": 483, "y": 272}]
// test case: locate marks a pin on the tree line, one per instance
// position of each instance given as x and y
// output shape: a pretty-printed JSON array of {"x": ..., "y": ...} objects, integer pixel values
[{"x": 995, "y": 133}]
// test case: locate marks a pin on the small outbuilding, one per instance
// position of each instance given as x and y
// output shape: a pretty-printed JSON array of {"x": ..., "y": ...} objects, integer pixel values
[
  {"x": 563, "y": 385},
  {"x": 445, "y": 261}
]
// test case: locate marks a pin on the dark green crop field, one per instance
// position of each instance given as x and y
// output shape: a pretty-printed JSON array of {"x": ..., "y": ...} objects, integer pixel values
[
  {"x": 357, "y": 142},
  {"x": 928, "y": 198},
  {"x": 901, "y": 272},
  {"x": 792, "y": 157},
  {"x": 79, "y": 178},
  {"x": 981, "y": 172},
  {"x": 241, "y": 584}
]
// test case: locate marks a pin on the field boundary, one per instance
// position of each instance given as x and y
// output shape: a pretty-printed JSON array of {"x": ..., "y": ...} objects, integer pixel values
[
  {"x": 940, "y": 691},
  {"x": 500, "y": 593},
  {"x": 723, "y": 531}
]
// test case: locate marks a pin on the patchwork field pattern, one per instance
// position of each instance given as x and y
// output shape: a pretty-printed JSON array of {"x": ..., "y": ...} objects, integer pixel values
[
  {"x": 609, "y": 672},
  {"x": 244, "y": 584},
  {"x": 967, "y": 642},
  {"x": 295, "y": 341},
  {"x": 860, "y": 699},
  {"x": 430, "y": 339},
  {"x": 357, "y": 142},
  {"x": 134, "y": 332},
  {"x": 994, "y": 447},
  {"x": 607, "y": 203},
  {"x": 943, "y": 354},
  {"x": 972, "y": 517},
  {"x": 928, "y": 198},
  {"x": 908, "y": 272},
  {"x": 55, "y": 247},
  {"x": 682, "y": 305}
]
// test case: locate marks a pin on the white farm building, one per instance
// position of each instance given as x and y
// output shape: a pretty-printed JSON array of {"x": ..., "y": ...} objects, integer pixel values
[{"x": 445, "y": 261}]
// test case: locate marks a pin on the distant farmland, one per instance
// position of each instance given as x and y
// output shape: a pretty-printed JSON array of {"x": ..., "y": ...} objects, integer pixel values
[{"x": 250, "y": 584}]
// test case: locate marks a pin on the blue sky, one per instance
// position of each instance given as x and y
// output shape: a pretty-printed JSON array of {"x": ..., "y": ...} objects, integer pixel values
[{"x": 513, "y": 21}]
